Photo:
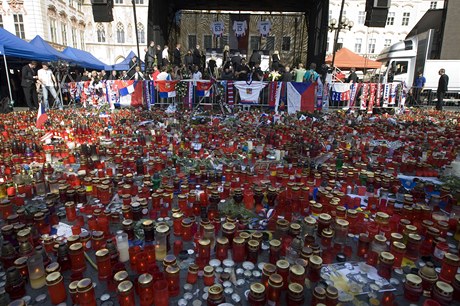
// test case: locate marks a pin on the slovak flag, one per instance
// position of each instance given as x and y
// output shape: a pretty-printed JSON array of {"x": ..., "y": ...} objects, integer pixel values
[
  {"x": 167, "y": 89},
  {"x": 203, "y": 88},
  {"x": 301, "y": 97},
  {"x": 41, "y": 116}
]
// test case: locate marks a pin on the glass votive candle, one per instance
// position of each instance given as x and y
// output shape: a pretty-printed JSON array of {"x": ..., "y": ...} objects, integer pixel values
[
  {"x": 314, "y": 268},
  {"x": 86, "y": 294},
  {"x": 275, "y": 250},
  {"x": 398, "y": 249},
  {"x": 253, "y": 250},
  {"x": 297, "y": 274},
  {"x": 161, "y": 295},
  {"x": 442, "y": 293},
  {"x": 267, "y": 270},
  {"x": 257, "y": 295},
  {"x": 414, "y": 241},
  {"x": 104, "y": 268},
  {"x": 187, "y": 229},
  {"x": 318, "y": 296},
  {"x": 295, "y": 295},
  {"x": 77, "y": 258},
  {"x": 275, "y": 285},
  {"x": 282, "y": 268},
  {"x": 56, "y": 289},
  {"x": 324, "y": 221},
  {"x": 413, "y": 288},
  {"x": 209, "y": 276},
  {"x": 450, "y": 264},
  {"x": 363, "y": 245},
  {"x": 126, "y": 293},
  {"x": 238, "y": 250},
  {"x": 73, "y": 292},
  {"x": 222, "y": 246},
  {"x": 37, "y": 275},
  {"x": 173, "y": 279},
  {"x": 385, "y": 264},
  {"x": 192, "y": 274},
  {"x": 145, "y": 283}
]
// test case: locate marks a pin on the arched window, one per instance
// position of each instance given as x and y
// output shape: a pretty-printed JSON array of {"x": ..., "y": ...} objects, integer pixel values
[
  {"x": 141, "y": 33},
  {"x": 100, "y": 33},
  {"x": 120, "y": 33}
]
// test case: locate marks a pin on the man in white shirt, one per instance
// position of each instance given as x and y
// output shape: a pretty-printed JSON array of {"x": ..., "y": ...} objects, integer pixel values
[
  {"x": 138, "y": 75},
  {"x": 163, "y": 75},
  {"x": 48, "y": 81},
  {"x": 196, "y": 75},
  {"x": 165, "y": 56}
]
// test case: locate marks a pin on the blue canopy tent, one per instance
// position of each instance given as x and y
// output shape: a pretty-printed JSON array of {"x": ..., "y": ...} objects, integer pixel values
[
  {"x": 85, "y": 59},
  {"x": 124, "y": 65},
  {"x": 54, "y": 55},
  {"x": 13, "y": 46}
]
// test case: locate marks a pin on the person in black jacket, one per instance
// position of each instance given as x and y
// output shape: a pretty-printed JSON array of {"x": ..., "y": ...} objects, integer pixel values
[
  {"x": 132, "y": 66},
  {"x": 256, "y": 58},
  {"x": 353, "y": 77},
  {"x": 29, "y": 78},
  {"x": 159, "y": 57},
  {"x": 442, "y": 88},
  {"x": 177, "y": 60},
  {"x": 275, "y": 60},
  {"x": 113, "y": 76},
  {"x": 150, "y": 55},
  {"x": 188, "y": 60},
  {"x": 286, "y": 76},
  {"x": 197, "y": 57}
]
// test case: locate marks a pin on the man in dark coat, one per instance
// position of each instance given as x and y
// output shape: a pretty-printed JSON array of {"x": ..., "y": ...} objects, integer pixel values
[
  {"x": 197, "y": 56},
  {"x": 29, "y": 78},
  {"x": 177, "y": 60},
  {"x": 188, "y": 60},
  {"x": 132, "y": 66},
  {"x": 353, "y": 77},
  {"x": 256, "y": 58},
  {"x": 159, "y": 57},
  {"x": 442, "y": 88},
  {"x": 236, "y": 60},
  {"x": 150, "y": 55}
]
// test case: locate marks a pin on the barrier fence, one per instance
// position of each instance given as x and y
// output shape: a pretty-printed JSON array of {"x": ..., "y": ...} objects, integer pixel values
[{"x": 279, "y": 96}]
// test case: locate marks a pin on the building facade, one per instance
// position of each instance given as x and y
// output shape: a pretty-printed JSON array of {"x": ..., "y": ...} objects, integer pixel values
[
  {"x": 60, "y": 22},
  {"x": 369, "y": 42},
  {"x": 112, "y": 41}
]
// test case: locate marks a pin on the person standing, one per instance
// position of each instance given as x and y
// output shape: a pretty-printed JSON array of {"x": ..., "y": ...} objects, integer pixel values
[
  {"x": 150, "y": 55},
  {"x": 197, "y": 57},
  {"x": 275, "y": 60},
  {"x": 188, "y": 60},
  {"x": 48, "y": 81},
  {"x": 132, "y": 66},
  {"x": 28, "y": 83},
  {"x": 138, "y": 75},
  {"x": 419, "y": 84},
  {"x": 353, "y": 77},
  {"x": 299, "y": 73},
  {"x": 177, "y": 61},
  {"x": 165, "y": 56},
  {"x": 158, "y": 56},
  {"x": 311, "y": 75},
  {"x": 442, "y": 88}
]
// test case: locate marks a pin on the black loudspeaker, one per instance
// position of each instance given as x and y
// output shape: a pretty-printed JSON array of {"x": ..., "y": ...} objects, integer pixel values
[
  {"x": 376, "y": 17},
  {"x": 102, "y": 10}
]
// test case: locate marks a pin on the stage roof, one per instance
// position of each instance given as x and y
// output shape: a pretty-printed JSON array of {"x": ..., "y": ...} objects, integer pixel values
[{"x": 244, "y": 5}]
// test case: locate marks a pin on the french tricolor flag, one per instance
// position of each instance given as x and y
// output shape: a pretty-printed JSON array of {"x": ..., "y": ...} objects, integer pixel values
[{"x": 41, "y": 116}]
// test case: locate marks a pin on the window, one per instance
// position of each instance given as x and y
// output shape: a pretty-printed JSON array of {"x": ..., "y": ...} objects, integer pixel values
[
  {"x": 400, "y": 67},
  {"x": 254, "y": 43},
  {"x": 1, "y": 21},
  {"x": 79, "y": 4},
  {"x": 53, "y": 30},
  {"x": 222, "y": 41},
  {"x": 391, "y": 18},
  {"x": 330, "y": 15},
  {"x": 82, "y": 39},
  {"x": 19, "y": 25},
  {"x": 371, "y": 48},
  {"x": 100, "y": 33},
  {"x": 358, "y": 45},
  {"x": 433, "y": 5},
  {"x": 191, "y": 42},
  {"x": 74, "y": 37},
  {"x": 405, "y": 20},
  {"x": 120, "y": 33},
  {"x": 286, "y": 44},
  {"x": 207, "y": 41},
  {"x": 270, "y": 43},
  {"x": 141, "y": 32},
  {"x": 327, "y": 44},
  {"x": 64, "y": 33},
  {"x": 139, "y": 1},
  {"x": 71, "y": 3},
  {"x": 118, "y": 1},
  {"x": 361, "y": 17},
  {"x": 387, "y": 43}
]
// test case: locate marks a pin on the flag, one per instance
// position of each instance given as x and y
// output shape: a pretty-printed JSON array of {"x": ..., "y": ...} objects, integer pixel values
[
  {"x": 203, "y": 88},
  {"x": 301, "y": 97},
  {"x": 41, "y": 116},
  {"x": 274, "y": 93},
  {"x": 340, "y": 92},
  {"x": 167, "y": 89},
  {"x": 47, "y": 136},
  {"x": 131, "y": 93},
  {"x": 249, "y": 93}
]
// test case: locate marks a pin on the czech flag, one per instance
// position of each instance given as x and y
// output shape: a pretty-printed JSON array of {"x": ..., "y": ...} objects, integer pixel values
[
  {"x": 301, "y": 97},
  {"x": 167, "y": 89},
  {"x": 203, "y": 88},
  {"x": 41, "y": 117}
]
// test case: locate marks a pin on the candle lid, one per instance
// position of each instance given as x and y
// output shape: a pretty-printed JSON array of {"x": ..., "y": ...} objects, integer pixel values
[
  {"x": 332, "y": 292},
  {"x": 208, "y": 270},
  {"x": 296, "y": 288},
  {"x": 244, "y": 235},
  {"x": 147, "y": 223},
  {"x": 397, "y": 237},
  {"x": 295, "y": 227},
  {"x": 316, "y": 260},
  {"x": 53, "y": 278},
  {"x": 399, "y": 245},
  {"x": 451, "y": 259},
  {"x": 125, "y": 286},
  {"x": 342, "y": 223},
  {"x": 319, "y": 292},
  {"x": 413, "y": 280},
  {"x": 204, "y": 242},
  {"x": 253, "y": 244},
  {"x": 257, "y": 235},
  {"x": 145, "y": 279},
  {"x": 69, "y": 204},
  {"x": 387, "y": 257},
  {"x": 380, "y": 238},
  {"x": 297, "y": 270},
  {"x": 222, "y": 240},
  {"x": 282, "y": 264},
  {"x": 102, "y": 253},
  {"x": 73, "y": 286},
  {"x": 121, "y": 276},
  {"x": 309, "y": 220},
  {"x": 275, "y": 280},
  {"x": 127, "y": 222},
  {"x": 325, "y": 217},
  {"x": 257, "y": 289},
  {"x": 215, "y": 290},
  {"x": 53, "y": 267},
  {"x": 275, "y": 243},
  {"x": 444, "y": 288},
  {"x": 21, "y": 261},
  {"x": 163, "y": 228},
  {"x": 238, "y": 240},
  {"x": 84, "y": 285},
  {"x": 76, "y": 246},
  {"x": 414, "y": 237},
  {"x": 269, "y": 269}
]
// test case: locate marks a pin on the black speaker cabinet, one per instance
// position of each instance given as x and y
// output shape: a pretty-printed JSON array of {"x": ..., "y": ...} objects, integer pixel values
[
  {"x": 376, "y": 17},
  {"x": 102, "y": 10}
]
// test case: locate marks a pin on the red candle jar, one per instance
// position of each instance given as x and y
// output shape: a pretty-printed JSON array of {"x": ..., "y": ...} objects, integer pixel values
[
  {"x": 398, "y": 249},
  {"x": 456, "y": 286},
  {"x": 21, "y": 266},
  {"x": 297, "y": 274},
  {"x": 428, "y": 275},
  {"x": 70, "y": 211},
  {"x": 222, "y": 248},
  {"x": 275, "y": 250},
  {"x": 187, "y": 229},
  {"x": 104, "y": 268},
  {"x": 257, "y": 296},
  {"x": 282, "y": 268},
  {"x": 229, "y": 230},
  {"x": 385, "y": 264},
  {"x": 319, "y": 296},
  {"x": 56, "y": 289},
  {"x": 450, "y": 264},
  {"x": 172, "y": 277},
  {"x": 177, "y": 223},
  {"x": 215, "y": 295},
  {"x": 326, "y": 238},
  {"x": 192, "y": 275},
  {"x": 314, "y": 268},
  {"x": 378, "y": 245},
  {"x": 145, "y": 288},
  {"x": 275, "y": 285},
  {"x": 332, "y": 296},
  {"x": 442, "y": 293},
  {"x": 413, "y": 288},
  {"x": 160, "y": 290},
  {"x": 77, "y": 258},
  {"x": 324, "y": 221},
  {"x": 253, "y": 251},
  {"x": 363, "y": 245},
  {"x": 414, "y": 241},
  {"x": 73, "y": 292},
  {"x": 85, "y": 291},
  {"x": 97, "y": 240},
  {"x": 239, "y": 249},
  {"x": 204, "y": 252},
  {"x": 126, "y": 293},
  {"x": 209, "y": 277},
  {"x": 267, "y": 270},
  {"x": 295, "y": 295}
]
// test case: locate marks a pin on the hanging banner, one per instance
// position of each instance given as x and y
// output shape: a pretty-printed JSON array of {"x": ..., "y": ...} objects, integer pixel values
[
  {"x": 240, "y": 28},
  {"x": 217, "y": 28},
  {"x": 264, "y": 27}
]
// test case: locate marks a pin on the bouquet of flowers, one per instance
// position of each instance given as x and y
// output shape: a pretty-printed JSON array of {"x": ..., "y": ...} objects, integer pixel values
[
  {"x": 274, "y": 76},
  {"x": 181, "y": 89}
]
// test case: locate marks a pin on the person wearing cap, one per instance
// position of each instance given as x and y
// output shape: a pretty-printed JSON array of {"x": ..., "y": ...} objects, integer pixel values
[
  {"x": 28, "y": 80},
  {"x": 48, "y": 82}
]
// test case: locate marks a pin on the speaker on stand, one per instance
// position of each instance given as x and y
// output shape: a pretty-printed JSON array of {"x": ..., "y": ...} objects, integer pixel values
[
  {"x": 377, "y": 13},
  {"x": 102, "y": 10}
]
